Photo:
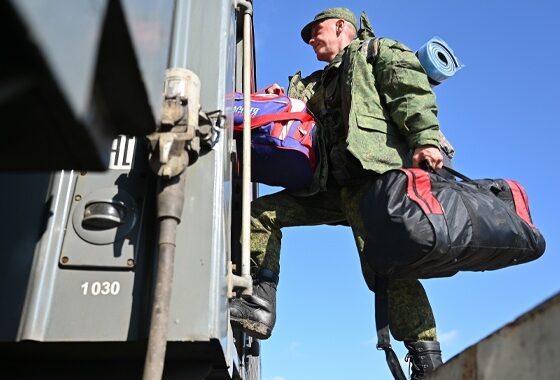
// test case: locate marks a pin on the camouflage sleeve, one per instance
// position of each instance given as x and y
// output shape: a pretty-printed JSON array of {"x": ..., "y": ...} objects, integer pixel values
[
  {"x": 305, "y": 89},
  {"x": 406, "y": 93}
]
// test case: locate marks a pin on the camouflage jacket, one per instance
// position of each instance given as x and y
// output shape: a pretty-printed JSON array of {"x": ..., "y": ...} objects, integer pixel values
[{"x": 381, "y": 127}]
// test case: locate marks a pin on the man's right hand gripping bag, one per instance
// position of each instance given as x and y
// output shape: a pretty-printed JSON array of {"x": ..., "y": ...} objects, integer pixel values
[{"x": 422, "y": 225}]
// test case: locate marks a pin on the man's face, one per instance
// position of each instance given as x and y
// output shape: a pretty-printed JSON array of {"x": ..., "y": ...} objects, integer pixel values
[{"x": 324, "y": 39}]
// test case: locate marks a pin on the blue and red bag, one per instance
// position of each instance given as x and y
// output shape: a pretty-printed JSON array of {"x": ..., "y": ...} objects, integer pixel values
[{"x": 282, "y": 133}]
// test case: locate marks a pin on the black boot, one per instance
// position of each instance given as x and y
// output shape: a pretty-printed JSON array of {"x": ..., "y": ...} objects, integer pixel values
[
  {"x": 256, "y": 314},
  {"x": 424, "y": 357}
]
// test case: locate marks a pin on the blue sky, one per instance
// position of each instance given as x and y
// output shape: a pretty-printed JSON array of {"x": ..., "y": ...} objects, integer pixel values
[{"x": 500, "y": 112}]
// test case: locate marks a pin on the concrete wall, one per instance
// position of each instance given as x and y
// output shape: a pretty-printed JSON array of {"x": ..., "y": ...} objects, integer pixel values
[{"x": 527, "y": 348}]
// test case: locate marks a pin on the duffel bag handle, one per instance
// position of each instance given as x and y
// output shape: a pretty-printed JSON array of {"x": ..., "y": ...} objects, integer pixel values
[
  {"x": 424, "y": 165},
  {"x": 457, "y": 174}
]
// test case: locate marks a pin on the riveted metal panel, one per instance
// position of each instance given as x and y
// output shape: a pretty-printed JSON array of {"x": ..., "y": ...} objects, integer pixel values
[{"x": 83, "y": 290}]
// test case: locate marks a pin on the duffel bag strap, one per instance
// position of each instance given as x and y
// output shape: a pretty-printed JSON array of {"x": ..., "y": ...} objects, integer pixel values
[{"x": 382, "y": 326}]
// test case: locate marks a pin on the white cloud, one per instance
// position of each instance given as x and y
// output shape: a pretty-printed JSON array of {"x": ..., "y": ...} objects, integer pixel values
[
  {"x": 295, "y": 350},
  {"x": 371, "y": 342},
  {"x": 448, "y": 337}
]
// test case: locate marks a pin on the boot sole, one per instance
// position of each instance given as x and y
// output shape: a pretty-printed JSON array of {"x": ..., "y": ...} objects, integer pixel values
[{"x": 251, "y": 328}]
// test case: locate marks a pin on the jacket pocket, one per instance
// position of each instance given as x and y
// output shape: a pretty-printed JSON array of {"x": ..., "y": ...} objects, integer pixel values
[{"x": 376, "y": 122}]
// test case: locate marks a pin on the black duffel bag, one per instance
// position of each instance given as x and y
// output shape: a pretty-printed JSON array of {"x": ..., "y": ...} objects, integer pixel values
[{"x": 422, "y": 225}]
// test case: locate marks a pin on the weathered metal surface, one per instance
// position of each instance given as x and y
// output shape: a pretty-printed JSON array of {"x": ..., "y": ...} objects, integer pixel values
[
  {"x": 75, "y": 75},
  {"x": 202, "y": 243},
  {"x": 79, "y": 288},
  {"x": 150, "y": 23},
  {"x": 527, "y": 348}
]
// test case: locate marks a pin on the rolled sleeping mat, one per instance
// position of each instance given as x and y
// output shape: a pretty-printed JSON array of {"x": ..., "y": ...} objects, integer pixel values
[{"x": 438, "y": 60}]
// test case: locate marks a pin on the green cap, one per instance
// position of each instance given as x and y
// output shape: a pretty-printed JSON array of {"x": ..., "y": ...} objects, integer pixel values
[{"x": 338, "y": 13}]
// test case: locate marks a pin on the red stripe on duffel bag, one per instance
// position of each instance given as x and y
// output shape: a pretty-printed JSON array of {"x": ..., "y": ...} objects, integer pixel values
[
  {"x": 520, "y": 200},
  {"x": 419, "y": 190}
]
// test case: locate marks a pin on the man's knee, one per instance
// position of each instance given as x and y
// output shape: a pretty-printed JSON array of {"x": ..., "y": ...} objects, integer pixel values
[{"x": 410, "y": 313}]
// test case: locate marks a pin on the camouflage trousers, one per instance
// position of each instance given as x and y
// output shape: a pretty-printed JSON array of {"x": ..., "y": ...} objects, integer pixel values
[{"x": 410, "y": 313}]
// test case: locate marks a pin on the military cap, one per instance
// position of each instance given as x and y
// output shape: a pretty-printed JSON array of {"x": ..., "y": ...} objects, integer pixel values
[{"x": 338, "y": 13}]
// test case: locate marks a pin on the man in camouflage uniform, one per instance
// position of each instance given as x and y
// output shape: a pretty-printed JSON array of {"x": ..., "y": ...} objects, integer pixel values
[{"x": 362, "y": 133}]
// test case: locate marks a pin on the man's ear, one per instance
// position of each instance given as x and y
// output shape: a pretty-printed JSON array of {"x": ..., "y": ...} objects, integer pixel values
[{"x": 339, "y": 27}]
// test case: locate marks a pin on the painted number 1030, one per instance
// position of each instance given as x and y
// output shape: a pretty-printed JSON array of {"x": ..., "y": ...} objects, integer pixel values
[{"x": 98, "y": 288}]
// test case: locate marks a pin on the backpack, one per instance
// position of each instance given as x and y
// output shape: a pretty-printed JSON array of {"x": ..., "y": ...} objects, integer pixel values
[{"x": 282, "y": 134}]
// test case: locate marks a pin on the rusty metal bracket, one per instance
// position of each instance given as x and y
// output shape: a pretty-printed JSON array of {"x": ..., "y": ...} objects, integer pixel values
[{"x": 184, "y": 129}]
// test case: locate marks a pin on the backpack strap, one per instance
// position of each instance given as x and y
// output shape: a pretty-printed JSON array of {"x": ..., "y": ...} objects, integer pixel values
[{"x": 370, "y": 49}]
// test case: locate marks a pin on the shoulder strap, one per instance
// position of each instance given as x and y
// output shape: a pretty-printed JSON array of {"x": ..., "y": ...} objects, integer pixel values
[
  {"x": 370, "y": 49},
  {"x": 382, "y": 327}
]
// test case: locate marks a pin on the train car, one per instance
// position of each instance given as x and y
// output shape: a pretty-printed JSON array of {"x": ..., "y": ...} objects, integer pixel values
[{"x": 82, "y": 258}]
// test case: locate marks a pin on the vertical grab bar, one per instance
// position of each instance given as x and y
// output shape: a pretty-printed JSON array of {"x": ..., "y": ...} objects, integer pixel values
[{"x": 246, "y": 280}]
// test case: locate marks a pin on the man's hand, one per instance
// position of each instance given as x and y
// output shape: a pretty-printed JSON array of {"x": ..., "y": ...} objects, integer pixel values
[
  {"x": 428, "y": 153},
  {"x": 274, "y": 89}
]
